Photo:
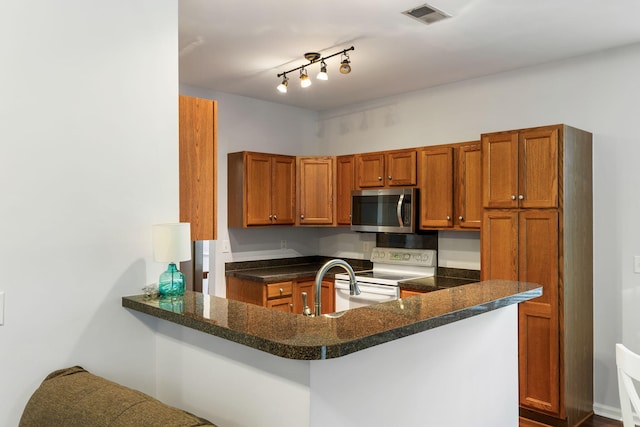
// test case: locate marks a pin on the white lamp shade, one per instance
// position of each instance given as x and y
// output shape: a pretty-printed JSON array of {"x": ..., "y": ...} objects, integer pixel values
[{"x": 172, "y": 242}]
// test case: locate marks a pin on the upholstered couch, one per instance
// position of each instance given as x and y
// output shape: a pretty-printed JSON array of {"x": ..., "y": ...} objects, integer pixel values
[{"x": 73, "y": 397}]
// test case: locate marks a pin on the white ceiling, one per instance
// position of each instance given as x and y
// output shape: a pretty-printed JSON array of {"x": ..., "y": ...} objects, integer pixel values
[{"x": 240, "y": 47}]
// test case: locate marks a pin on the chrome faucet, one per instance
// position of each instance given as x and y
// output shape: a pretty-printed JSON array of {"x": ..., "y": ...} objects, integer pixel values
[{"x": 353, "y": 284}]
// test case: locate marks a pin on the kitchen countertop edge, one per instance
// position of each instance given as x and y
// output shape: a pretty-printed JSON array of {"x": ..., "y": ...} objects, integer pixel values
[{"x": 317, "y": 338}]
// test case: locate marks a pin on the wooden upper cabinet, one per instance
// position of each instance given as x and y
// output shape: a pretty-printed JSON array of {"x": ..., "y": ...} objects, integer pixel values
[
  {"x": 259, "y": 183},
  {"x": 261, "y": 189},
  {"x": 370, "y": 170},
  {"x": 436, "y": 187},
  {"x": 500, "y": 170},
  {"x": 315, "y": 190},
  {"x": 197, "y": 165},
  {"x": 468, "y": 185},
  {"x": 346, "y": 183},
  {"x": 396, "y": 168},
  {"x": 451, "y": 186},
  {"x": 538, "y": 168},
  {"x": 402, "y": 168},
  {"x": 520, "y": 168},
  {"x": 283, "y": 191}
]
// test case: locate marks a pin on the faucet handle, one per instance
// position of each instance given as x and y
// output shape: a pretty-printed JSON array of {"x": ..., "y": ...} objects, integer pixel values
[{"x": 306, "y": 311}]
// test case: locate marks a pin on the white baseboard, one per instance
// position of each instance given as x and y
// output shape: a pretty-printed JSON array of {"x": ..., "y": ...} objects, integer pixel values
[
  {"x": 611, "y": 412},
  {"x": 607, "y": 411}
]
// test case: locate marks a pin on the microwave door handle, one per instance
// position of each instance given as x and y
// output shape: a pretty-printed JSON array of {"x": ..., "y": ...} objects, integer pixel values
[{"x": 399, "y": 210}]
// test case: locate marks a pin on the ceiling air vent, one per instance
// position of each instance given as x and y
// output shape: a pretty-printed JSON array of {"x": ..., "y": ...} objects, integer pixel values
[{"x": 426, "y": 14}]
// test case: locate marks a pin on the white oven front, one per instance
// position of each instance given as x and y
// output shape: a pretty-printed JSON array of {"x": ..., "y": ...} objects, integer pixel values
[{"x": 369, "y": 294}]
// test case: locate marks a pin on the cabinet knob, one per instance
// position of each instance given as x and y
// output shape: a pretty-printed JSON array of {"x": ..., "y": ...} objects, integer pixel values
[
  {"x": 281, "y": 291},
  {"x": 521, "y": 197},
  {"x": 460, "y": 218},
  {"x": 389, "y": 177},
  {"x": 513, "y": 197},
  {"x": 379, "y": 178},
  {"x": 291, "y": 304},
  {"x": 301, "y": 216},
  {"x": 270, "y": 217},
  {"x": 275, "y": 217},
  {"x": 448, "y": 217}
]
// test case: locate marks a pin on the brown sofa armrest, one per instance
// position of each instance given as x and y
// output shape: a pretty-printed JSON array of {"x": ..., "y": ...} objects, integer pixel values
[{"x": 73, "y": 397}]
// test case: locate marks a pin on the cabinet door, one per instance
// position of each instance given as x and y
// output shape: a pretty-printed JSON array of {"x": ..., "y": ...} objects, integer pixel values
[
  {"x": 468, "y": 186},
  {"x": 436, "y": 187},
  {"x": 538, "y": 168},
  {"x": 500, "y": 170},
  {"x": 499, "y": 252},
  {"x": 539, "y": 337},
  {"x": 327, "y": 303},
  {"x": 401, "y": 168},
  {"x": 283, "y": 190},
  {"x": 370, "y": 170},
  {"x": 198, "y": 150},
  {"x": 281, "y": 304},
  {"x": 258, "y": 189},
  {"x": 315, "y": 187},
  {"x": 346, "y": 183}
]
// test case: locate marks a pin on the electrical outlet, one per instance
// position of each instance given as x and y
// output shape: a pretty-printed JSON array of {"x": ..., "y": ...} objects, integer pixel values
[
  {"x": 1, "y": 308},
  {"x": 226, "y": 247},
  {"x": 366, "y": 247},
  {"x": 636, "y": 264},
  {"x": 283, "y": 244}
]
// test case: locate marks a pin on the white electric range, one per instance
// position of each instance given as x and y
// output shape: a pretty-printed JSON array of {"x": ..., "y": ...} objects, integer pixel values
[{"x": 381, "y": 283}]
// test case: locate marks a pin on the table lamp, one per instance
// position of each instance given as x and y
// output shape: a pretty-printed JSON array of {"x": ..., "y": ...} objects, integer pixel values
[{"x": 172, "y": 244}]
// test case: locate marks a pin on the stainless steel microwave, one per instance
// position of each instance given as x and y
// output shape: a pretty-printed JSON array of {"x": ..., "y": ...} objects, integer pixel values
[{"x": 388, "y": 210}]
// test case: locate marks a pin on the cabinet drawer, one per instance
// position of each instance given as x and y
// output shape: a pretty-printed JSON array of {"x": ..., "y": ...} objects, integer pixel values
[{"x": 277, "y": 290}]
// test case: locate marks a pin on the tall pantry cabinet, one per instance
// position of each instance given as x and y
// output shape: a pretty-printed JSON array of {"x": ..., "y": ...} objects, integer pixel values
[{"x": 537, "y": 227}]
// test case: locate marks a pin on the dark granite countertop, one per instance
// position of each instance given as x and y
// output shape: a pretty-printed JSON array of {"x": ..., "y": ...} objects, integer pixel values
[
  {"x": 281, "y": 270},
  {"x": 430, "y": 284},
  {"x": 294, "y": 336}
]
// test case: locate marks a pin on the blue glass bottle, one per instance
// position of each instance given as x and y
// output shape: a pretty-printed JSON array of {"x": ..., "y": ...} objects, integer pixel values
[{"x": 171, "y": 282}]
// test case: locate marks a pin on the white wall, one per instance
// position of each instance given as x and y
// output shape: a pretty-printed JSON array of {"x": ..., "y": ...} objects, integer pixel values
[
  {"x": 88, "y": 146},
  {"x": 597, "y": 93}
]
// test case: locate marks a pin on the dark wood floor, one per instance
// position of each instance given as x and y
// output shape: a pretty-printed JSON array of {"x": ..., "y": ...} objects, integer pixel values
[{"x": 598, "y": 421}]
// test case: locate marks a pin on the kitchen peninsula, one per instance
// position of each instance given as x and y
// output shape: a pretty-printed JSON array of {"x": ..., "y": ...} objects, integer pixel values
[{"x": 414, "y": 361}]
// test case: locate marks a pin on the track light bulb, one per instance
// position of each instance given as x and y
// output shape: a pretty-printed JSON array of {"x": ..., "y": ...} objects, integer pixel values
[
  {"x": 345, "y": 68},
  {"x": 282, "y": 87},
  {"x": 305, "y": 81},
  {"x": 322, "y": 75}
]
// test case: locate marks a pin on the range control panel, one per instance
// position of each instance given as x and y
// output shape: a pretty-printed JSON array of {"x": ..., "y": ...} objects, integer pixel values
[{"x": 421, "y": 257}]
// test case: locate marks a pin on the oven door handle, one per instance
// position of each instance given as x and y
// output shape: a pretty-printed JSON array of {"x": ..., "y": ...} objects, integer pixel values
[{"x": 399, "y": 210}]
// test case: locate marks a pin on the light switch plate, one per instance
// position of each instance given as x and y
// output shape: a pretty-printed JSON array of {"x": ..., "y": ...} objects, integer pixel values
[
  {"x": 1, "y": 308},
  {"x": 636, "y": 264}
]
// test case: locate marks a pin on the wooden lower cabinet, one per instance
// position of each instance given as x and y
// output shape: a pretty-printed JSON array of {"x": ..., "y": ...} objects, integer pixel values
[
  {"x": 524, "y": 246},
  {"x": 328, "y": 302},
  {"x": 283, "y": 296}
]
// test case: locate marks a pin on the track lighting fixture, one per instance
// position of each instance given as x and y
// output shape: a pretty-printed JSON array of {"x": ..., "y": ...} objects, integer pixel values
[
  {"x": 313, "y": 57},
  {"x": 305, "y": 81},
  {"x": 322, "y": 75},
  {"x": 345, "y": 68},
  {"x": 282, "y": 87}
]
